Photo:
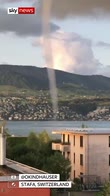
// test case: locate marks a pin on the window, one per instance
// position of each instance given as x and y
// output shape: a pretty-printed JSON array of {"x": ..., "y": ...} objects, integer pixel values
[
  {"x": 81, "y": 141},
  {"x": 68, "y": 138},
  {"x": 68, "y": 155},
  {"x": 74, "y": 174},
  {"x": 81, "y": 159},
  {"x": 63, "y": 138},
  {"x": 109, "y": 159},
  {"x": 74, "y": 157},
  {"x": 64, "y": 154},
  {"x": 109, "y": 141},
  {"x": 74, "y": 140},
  {"x": 81, "y": 178}
]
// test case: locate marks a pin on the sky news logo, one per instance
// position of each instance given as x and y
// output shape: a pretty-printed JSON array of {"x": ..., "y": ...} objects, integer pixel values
[{"x": 21, "y": 10}]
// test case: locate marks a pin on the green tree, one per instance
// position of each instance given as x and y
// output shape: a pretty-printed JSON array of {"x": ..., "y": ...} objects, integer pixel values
[
  {"x": 44, "y": 137},
  {"x": 29, "y": 159},
  {"x": 17, "y": 151},
  {"x": 33, "y": 150},
  {"x": 105, "y": 190},
  {"x": 76, "y": 186},
  {"x": 15, "y": 146},
  {"x": 58, "y": 164},
  {"x": 33, "y": 141}
]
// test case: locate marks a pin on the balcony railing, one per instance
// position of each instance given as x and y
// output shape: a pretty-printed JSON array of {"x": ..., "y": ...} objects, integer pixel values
[
  {"x": 61, "y": 142},
  {"x": 63, "y": 147},
  {"x": 56, "y": 141},
  {"x": 65, "y": 143}
]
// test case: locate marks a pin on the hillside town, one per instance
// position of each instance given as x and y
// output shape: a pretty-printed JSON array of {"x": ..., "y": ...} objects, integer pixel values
[{"x": 14, "y": 108}]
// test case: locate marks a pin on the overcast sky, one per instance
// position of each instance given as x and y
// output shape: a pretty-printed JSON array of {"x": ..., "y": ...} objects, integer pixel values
[{"x": 80, "y": 36}]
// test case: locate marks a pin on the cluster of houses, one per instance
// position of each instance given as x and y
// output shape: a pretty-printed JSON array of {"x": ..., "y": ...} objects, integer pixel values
[{"x": 39, "y": 108}]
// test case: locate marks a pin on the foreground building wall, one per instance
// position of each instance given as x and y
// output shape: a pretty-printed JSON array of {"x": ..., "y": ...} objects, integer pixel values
[
  {"x": 98, "y": 156},
  {"x": 4, "y": 190}
]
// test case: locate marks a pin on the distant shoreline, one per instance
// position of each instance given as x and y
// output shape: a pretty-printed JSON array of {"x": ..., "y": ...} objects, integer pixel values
[{"x": 54, "y": 120}]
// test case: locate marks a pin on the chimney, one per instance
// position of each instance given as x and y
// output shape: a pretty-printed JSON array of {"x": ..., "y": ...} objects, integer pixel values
[{"x": 2, "y": 146}]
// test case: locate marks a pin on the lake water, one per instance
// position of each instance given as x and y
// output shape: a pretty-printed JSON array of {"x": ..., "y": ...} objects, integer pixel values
[{"x": 23, "y": 128}]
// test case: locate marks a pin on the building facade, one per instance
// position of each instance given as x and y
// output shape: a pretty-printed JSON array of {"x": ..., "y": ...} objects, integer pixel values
[{"x": 89, "y": 153}]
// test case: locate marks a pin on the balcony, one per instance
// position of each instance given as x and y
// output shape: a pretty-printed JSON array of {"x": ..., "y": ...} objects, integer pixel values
[{"x": 63, "y": 147}]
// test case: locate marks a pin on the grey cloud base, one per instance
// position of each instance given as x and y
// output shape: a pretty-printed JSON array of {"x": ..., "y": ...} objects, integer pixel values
[
  {"x": 103, "y": 44},
  {"x": 22, "y": 25},
  {"x": 12, "y": 1},
  {"x": 69, "y": 8}
]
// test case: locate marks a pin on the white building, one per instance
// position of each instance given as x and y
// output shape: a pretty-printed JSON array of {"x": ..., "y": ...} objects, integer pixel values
[{"x": 89, "y": 152}]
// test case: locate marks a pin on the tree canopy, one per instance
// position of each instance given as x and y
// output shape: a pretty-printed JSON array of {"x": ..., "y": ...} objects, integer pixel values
[
  {"x": 59, "y": 165},
  {"x": 36, "y": 151}
]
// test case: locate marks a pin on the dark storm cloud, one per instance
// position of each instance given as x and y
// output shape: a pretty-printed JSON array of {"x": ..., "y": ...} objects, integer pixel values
[
  {"x": 22, "y": 25},
  {"x": 69, "y": 8}
]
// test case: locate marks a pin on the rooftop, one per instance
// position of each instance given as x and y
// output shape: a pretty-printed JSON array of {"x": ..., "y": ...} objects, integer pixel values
[
  {"x": 91, "y": 131},
  {"x": 6, "y": 171},
  {"x": 22, "y": 168},
  {"x": 15, "y": 168}
]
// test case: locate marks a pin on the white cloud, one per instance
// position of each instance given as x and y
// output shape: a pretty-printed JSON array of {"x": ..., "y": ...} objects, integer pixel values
[{"x": 71, "y": 53}]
